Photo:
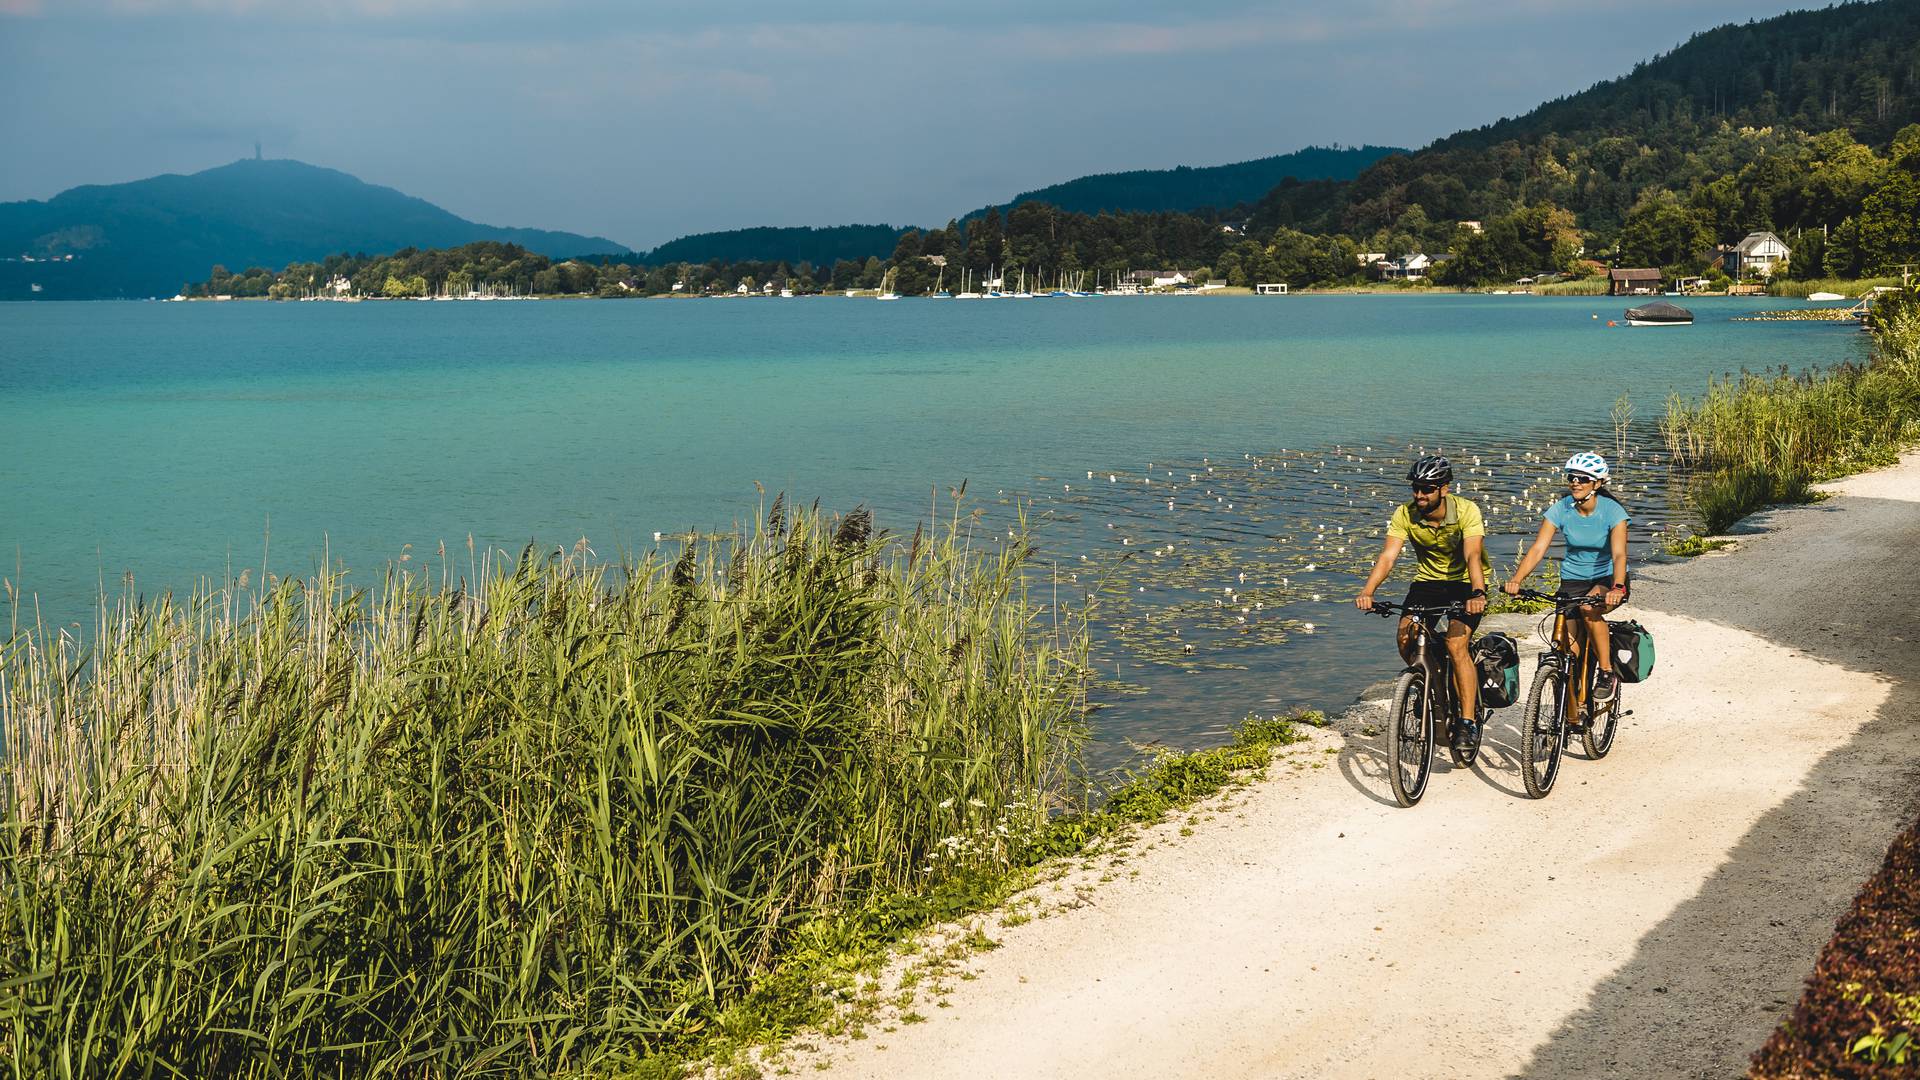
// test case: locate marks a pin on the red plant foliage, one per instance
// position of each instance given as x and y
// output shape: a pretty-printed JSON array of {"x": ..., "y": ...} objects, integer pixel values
[{"x": 1867, "y": 981}]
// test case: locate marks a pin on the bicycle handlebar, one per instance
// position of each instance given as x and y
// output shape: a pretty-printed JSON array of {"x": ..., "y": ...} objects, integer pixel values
[
  {"x": 1561, "y": 602},
  {"x": 1387, "y": 610}
]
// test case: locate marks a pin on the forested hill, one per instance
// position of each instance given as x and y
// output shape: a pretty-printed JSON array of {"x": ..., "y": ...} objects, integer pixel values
[
  {"x": 1188, "y": 188},
  {"x": 1854, "y": 66},
  {"x": 822, "y": 246},
  {"x": 148, "y": 237},
  {"x": 1726, "y": 100},
  {"x": 1180, "y": 189}
]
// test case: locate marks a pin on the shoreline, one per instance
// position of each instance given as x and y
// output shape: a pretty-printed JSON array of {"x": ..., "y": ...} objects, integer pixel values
[
  {"x": 869, "y": 294},
  {"x": 1254, "y": 934}
]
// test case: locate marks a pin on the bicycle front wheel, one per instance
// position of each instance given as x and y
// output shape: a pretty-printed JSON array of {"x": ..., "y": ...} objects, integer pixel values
[
  {"x": 1542, "y": 733},
  {"x": 1409, "y": 739}
]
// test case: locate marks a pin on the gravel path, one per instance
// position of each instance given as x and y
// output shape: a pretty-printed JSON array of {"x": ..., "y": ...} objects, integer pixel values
[{"x": 1653, "y": 917}]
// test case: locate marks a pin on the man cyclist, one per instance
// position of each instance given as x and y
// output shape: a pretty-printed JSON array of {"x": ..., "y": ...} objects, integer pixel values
[{"x": 1449, "y": 539}]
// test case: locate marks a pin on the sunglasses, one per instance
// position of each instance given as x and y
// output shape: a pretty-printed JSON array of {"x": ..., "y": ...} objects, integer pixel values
[
  {"x": 1426, "y": 489},
  {"x": 1580, "y": 478}
]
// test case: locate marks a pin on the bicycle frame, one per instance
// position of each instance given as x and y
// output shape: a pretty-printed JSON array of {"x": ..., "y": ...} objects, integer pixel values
[
  {"x": 1431, "y": 661},
  {"x": 1435, "y": 666},
  {"x": 1567, "y": 649}
]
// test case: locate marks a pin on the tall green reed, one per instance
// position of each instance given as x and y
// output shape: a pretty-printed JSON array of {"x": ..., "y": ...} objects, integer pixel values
[
  {"x": 1765, "y": 438},
  {"x": 1844, "y": 286},
  {"x": 552, "y": 818}
]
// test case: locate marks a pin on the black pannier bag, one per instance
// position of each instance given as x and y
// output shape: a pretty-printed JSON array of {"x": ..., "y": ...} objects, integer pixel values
[
  {"x": 1497, "y": 657},
  {"x": 1632, "y": 648}
]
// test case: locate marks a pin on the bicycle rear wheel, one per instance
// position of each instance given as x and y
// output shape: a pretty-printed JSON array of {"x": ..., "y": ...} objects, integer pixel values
[
  {"x": 1409, "y": 739},
  {"x": 1596, "y": 738},
  {"x": 1542, "y": 733}
]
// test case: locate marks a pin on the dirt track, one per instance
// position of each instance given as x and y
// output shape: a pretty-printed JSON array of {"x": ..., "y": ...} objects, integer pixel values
[{"x": 1653, "y": 917}]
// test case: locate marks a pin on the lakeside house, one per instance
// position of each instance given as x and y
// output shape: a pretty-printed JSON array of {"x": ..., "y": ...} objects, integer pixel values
[
  {"x": 1759, "y": 255},
  {"x": 1638, "y": 281},
  {"x": 1158, "y": 279},
  {"x": 1410, "y": 267},
  {"x": 1271, "y": 288}
]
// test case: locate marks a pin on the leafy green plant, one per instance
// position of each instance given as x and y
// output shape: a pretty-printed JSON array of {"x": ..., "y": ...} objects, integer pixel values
[{"x": 1692, "y": 545}]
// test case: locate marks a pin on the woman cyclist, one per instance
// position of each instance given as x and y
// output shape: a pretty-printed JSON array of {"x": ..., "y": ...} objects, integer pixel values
[{"x": 1594, "y": 524}]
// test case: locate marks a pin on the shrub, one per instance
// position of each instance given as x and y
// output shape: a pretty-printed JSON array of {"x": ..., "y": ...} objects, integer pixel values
[{"x": 1860, "y": 1015}]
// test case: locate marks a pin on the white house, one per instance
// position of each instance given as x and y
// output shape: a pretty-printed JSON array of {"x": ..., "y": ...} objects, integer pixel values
[
  {"x": 1759, "y": 255},
  {"x": 1408, "y": 267},
  {"x": 1158, "y": 279},
  {"x": 1270, "y": 288}
]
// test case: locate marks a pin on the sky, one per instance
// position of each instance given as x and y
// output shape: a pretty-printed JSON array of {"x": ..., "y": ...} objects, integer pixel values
[{"x": 641, "y": 121}]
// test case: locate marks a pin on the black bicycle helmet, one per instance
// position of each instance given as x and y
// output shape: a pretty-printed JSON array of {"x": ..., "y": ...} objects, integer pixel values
[{"x": 1432, "y": 469}]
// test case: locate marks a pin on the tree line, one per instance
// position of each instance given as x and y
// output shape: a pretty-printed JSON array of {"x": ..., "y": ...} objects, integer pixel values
[{"x": 1844, "y": 208}]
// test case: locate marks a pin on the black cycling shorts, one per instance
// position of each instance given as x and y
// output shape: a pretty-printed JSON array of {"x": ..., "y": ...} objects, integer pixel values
[
  {"x": 1437, "y": 593},
  {"x": 1584, "y": 586}
]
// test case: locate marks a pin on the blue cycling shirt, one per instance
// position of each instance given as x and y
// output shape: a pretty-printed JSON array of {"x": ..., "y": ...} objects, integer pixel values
[{"x": 1588, "y": 555}]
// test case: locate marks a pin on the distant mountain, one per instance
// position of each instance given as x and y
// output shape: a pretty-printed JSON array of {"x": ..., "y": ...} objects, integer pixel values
[
  {"x": 1187, "y": 188},
  {"x": 821, "y": 246},
  {"x": 147, "y": 237},
  {"x": 1180, "y": 189}
]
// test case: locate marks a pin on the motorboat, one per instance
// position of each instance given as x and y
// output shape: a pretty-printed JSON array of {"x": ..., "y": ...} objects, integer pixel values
[{"x": 1659, "y": 313}]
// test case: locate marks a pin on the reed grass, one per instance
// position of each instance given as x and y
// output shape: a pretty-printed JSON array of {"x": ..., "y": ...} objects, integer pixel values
[
  {"x": 1758, "y": 439},
  {"x": 1848, "y": 287},
  {"x": 553, "y": 819},
  {"x": 1587, "y": 286}
]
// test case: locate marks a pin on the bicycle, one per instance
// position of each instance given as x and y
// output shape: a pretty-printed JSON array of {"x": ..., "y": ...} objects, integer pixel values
[
  {"x": 1423, "y": 696},
  {"x": 1561, "y": 684}
]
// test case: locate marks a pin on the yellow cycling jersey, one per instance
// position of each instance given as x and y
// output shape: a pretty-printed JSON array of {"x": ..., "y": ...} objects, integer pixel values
[{"x": 1441, "y": 545}]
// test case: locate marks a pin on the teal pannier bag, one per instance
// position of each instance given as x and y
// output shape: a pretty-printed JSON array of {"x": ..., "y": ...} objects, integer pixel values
[
  {"x": 1632, "y": 650},
  {"x": 1497, "y": 657}
]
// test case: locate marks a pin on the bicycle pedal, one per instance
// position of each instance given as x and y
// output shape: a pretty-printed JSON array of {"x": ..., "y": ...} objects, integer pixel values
[{"x": 1629, "y": 712}]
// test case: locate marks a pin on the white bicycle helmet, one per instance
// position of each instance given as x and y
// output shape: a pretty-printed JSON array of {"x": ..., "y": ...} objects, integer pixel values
[{"x": 1590, "y": 463}]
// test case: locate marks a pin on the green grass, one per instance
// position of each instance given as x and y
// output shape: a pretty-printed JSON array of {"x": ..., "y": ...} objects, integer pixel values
[
  {"x": 1691, "y": 546},
  {"x": 1759, "y": 439},
  {"x": 1590, "y": 286},
  {"x": 556, "y": 818},
  {"x": 1847, "y": 287}
]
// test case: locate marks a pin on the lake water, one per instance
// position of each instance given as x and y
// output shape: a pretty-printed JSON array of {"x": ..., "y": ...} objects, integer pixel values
[{"x": 178, "y": 442}]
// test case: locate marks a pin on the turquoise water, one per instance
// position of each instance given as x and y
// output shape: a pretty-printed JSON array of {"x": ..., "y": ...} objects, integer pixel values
[{"x": 175, "y": 442}]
